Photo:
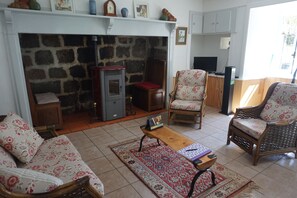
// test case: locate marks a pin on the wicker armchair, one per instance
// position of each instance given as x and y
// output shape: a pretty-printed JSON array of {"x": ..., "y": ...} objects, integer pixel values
[
  {"x": 78, "y": 188},
  {"x": 187, "y": 100},
  {"x": 269, "y": 128}
]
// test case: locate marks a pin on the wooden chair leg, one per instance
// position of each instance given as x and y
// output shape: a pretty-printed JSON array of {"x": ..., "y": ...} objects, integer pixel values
[
  {"x": 255, "y": 160},
  {"x": 200, "y": 120}
]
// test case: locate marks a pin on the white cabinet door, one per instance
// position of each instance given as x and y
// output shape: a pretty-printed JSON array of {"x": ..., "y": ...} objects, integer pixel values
[
  {"x": 223, "y": 21},
  {"x": 209, "y": 22},
  {"x": 217, "y": 22},
  {"x": 196, "y": 23}
]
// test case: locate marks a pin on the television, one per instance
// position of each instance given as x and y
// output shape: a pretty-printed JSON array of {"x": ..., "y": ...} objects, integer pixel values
[{"x": 208, "y": 64}]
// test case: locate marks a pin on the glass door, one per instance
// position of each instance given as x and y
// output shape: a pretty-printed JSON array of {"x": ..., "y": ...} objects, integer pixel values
[{"x": 113, "y": 87}]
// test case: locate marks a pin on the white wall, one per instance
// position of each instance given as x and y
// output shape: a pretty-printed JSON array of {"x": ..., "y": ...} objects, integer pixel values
[
  {"x": 211, "y": 5},
  {"x": 209, "y": 45},
  {"x": 180, "y": 56}
]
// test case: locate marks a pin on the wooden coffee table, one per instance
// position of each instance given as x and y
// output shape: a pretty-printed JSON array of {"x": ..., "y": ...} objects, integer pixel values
[{"x": 178, "y": 141}]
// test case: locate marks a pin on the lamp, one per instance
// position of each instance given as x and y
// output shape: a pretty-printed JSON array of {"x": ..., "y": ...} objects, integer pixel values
[{"x": 225, "y": 42}]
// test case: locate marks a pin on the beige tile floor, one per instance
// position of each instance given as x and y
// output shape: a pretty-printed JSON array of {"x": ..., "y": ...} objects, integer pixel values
[{"x": 276, "y": 175}]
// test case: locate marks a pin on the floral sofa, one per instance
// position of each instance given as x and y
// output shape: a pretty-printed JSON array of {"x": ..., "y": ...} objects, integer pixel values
[{"x": 31, "y": 166}]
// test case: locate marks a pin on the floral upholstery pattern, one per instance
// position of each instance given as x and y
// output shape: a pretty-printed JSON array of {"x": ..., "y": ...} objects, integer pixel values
[
  {"x": 58, "y": 157},
  {"x": 27, "y": 181},
  {"x": 6, "y": 160},
  {"x": 282, "y": 105},
  {"x": 253, "y": 127},
  {"x": 186, "y": 105},
  {"x": 19, "y": 138},
  {"x": 190, "y": 85}
]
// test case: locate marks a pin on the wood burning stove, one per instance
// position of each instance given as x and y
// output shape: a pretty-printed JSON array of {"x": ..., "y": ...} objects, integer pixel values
[{"x": 109, "y": 91}]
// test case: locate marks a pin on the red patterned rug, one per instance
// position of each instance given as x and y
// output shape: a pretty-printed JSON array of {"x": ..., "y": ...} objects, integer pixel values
[{"x": 169, "y": 175}]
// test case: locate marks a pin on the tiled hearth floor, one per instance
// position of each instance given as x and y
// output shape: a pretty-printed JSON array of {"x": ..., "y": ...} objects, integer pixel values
[
  {"x": 276, "y": 175},
  {"x": 81, "y": 121}
]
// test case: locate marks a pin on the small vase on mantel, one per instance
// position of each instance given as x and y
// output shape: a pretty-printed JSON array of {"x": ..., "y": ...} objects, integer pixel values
[
  {"x": 34, "y": 5},
  {"x": 124, "y": 12},
  {"x": 92, "y": 7}
]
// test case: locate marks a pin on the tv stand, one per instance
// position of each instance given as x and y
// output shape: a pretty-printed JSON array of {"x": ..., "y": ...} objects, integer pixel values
[{"x": 219, "y": 73}]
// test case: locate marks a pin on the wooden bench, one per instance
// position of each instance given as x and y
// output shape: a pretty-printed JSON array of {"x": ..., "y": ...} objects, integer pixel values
[
  {"x": 150, "y": 94},
  {"x": 44, "y": 114}
]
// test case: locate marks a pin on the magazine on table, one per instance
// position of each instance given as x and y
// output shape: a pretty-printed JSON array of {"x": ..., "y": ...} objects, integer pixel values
[{"x": 194, "y": 151}]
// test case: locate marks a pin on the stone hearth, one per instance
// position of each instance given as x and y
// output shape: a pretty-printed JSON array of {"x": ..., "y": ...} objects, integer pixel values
[
  {"x": 18, "y": 22},
  {"x": 61, "y": 63}
]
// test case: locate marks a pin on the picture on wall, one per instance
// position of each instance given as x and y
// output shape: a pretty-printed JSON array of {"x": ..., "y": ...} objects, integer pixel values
[
  {"x": 62, "y": 6},
  {"x": 141, "y": 9},
  {"x": 181, "y": 36}
]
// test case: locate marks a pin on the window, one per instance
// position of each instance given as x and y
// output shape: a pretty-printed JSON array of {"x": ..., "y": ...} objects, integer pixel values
[{"x": 272, "y": 41}]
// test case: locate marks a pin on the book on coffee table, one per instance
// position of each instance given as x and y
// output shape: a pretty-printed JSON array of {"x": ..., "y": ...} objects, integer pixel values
[
  {"x": 154, "y": 122},
  {"x": 194, "y": 151}
]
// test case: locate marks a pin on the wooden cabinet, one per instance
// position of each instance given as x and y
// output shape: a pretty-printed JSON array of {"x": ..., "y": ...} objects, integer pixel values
[
  {"x": 196, "y": 22},
  {"x": 48, "y": 113},
  {"x": 219, "y": 22},
  {"x": 215, "y": 88}
]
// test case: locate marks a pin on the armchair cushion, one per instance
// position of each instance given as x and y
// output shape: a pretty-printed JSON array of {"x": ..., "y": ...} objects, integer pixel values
[
  {"x": 186, "y": 105},
  {"x": 27, "y": 181},
  {"x": 6, "y": 160},
  {"x": 281, "y": 106},
  {"x": 19, "y": 138},
  {"x": 190, "y": 85},
  {"x": 253, "y": 127},
  {"x": 58, "y": 157}
]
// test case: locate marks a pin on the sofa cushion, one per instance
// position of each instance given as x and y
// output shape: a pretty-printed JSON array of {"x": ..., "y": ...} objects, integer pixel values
[
  {"x": 186, "y": 105},
  {"x": 6, "y": 160},
  {"x": 19, "y": 138},
  {"x": 58, "y": 157},
  {"x": 252, "y": 127},
  {"x": 27, "y": 181},
  {"x": 282, "y": 104}
]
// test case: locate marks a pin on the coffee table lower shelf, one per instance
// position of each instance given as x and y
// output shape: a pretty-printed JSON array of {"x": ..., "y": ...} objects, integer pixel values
[{"x": 178, "y": 141}]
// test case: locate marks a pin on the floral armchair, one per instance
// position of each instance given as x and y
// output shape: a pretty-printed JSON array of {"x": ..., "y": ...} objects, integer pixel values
[
  {"x": 269, "y": 128},
  {"x": 187, "y": 100}
]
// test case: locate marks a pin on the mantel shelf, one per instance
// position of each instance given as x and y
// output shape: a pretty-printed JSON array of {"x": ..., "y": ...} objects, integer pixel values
[{"x": 32, "y": 21}]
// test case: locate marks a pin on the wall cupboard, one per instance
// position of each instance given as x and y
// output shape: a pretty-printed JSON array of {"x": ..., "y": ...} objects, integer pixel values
[
  {"x": 222, "y": 21},
  {"x": 196, "y": 22}
]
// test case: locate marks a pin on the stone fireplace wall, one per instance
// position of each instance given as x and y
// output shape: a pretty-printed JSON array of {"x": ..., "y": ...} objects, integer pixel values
[{"x": 62, "y": 63}]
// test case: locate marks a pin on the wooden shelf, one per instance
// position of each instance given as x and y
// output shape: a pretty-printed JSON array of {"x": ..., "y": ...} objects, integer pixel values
[{"x": 32, "y": 21}]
